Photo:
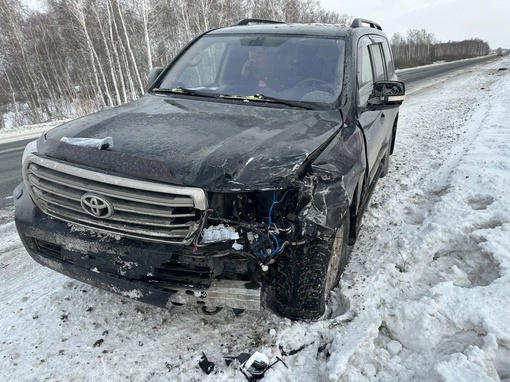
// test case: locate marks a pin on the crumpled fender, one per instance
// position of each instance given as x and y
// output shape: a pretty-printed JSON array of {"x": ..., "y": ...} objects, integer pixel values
[{"x": 332, "y": 181}]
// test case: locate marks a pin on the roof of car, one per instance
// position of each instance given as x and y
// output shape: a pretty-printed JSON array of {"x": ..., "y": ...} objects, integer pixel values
[
  {"x": 316, "y": 29},
  {"x": 299, "y": 29}
]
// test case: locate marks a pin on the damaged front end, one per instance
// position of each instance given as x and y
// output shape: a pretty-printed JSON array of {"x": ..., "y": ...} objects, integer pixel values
[
  {"x": 165, "y": 243},
  {"x": 221, "y": 250},
  {"x": 242, "y": 235}
]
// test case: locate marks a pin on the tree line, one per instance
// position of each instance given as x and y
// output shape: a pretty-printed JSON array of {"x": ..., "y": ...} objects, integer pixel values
[
  {"x": 69, "y": 58},
  {"x": 421, "y": 48}
]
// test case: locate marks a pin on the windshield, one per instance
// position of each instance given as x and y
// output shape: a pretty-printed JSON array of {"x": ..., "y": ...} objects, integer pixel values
[{"x": 276, "y": 67}]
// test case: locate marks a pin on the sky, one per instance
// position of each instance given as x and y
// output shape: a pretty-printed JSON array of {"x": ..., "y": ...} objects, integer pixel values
[
  {"x": 448, "y": 20},
  {"x": 425, "y": 296}
]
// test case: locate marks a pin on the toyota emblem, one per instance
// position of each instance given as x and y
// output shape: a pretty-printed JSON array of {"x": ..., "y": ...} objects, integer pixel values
[{"x": 97, "y": 206}]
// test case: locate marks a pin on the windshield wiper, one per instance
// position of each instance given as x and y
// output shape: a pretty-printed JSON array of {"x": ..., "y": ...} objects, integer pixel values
[
  {"x": 255, "y": 97},
  {"x": 186, "y": 91},
  {"x": 262, "y": 97}
]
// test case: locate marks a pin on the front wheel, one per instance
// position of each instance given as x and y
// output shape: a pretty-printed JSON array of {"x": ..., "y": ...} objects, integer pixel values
[{"x": 306, "y": 275}]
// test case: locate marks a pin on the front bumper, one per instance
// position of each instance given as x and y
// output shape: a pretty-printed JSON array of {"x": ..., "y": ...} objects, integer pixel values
[{"x": 125, "y": 266}]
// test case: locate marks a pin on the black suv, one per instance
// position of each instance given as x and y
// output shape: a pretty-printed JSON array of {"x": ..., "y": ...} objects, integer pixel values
[{"x": 238, "y": 180}]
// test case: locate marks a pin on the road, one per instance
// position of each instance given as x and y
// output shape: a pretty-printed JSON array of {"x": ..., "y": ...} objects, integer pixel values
[
  {"x": 10, "y": 153},
  {"x": 415, "y": 75},
  {"x": 10, "y": 169}
]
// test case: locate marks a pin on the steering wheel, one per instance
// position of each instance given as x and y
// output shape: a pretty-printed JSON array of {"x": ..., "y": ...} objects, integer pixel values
[{"x": 314, "y": 82}]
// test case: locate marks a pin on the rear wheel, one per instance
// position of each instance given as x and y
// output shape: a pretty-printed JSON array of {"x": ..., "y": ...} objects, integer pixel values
[{"x": 306, "y": 275}]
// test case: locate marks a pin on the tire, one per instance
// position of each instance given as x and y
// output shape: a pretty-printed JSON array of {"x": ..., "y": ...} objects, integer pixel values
[{"x": 306, "y": 275}]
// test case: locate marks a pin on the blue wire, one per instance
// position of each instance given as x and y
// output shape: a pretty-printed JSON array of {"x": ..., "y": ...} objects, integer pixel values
[
  {"x": 270, "y": 222},
  {"x": 277, "y": 246},
  {"x": 270, "y": 219}
]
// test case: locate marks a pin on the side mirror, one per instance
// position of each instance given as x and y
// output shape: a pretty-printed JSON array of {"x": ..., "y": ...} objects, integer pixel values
[
  {"x": 387, "y": 93},
  {"x": 154, "y": 74}
]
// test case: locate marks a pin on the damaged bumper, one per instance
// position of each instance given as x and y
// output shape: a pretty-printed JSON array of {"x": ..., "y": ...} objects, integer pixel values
[{"x": 127, "y": 267}]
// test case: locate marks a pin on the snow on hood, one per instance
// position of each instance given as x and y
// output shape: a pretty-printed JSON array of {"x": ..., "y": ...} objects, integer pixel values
[{"x": 198, "y": 143}]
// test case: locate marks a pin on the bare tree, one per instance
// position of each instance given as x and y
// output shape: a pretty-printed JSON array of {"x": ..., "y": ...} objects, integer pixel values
[
  {"x": 97, "y": 11},
  {"x": 420, "y": 48},
  {"x": 11, "y": 18},
  {"x": 90, "y": 54},
  {"x": 129, "y": 49}
]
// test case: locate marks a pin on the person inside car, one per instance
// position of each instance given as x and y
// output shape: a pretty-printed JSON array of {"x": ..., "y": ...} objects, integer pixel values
[{"x": 259, "y": 70}]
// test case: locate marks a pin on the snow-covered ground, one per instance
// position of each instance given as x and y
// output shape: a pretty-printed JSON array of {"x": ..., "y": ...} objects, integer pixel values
[
  {"x": 426, "y": 296},
  {"x": 26, "y": 132}
]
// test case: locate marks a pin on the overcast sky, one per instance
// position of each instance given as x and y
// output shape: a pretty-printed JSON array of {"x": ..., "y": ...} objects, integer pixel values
[{"x": 456, "y": 20}]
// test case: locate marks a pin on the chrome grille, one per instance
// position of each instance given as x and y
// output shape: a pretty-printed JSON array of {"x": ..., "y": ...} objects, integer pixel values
[{"x": 140, "y": 209}]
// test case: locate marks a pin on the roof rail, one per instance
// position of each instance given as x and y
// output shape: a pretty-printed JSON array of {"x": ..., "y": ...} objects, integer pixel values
[
  {"x": 259, "y": 21},
  {"x": 358, "y": 22}
]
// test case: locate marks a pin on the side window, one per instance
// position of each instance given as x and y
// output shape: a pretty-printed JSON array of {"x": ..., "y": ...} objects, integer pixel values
[
  {"x": 379, "y": 65},
  {"x": 389, "y": 60},
  {"x": 365, "y": 72}
]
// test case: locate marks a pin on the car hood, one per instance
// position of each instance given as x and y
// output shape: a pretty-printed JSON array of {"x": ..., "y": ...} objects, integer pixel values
[{"x": 213, "y": 145}]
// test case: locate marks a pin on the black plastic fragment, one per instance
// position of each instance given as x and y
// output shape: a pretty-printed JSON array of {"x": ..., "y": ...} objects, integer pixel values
[{"x": 205, "y": 364}]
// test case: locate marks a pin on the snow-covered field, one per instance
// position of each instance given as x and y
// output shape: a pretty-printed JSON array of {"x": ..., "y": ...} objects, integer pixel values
[{"x": 426, "y": 296}]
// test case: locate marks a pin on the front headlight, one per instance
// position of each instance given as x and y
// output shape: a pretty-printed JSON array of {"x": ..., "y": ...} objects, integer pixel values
[{"x": 29, "y": 149}]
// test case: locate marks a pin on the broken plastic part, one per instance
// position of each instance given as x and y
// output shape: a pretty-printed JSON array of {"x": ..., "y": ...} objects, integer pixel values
[
  {"x": 252, "y": 366},
  {"x": 237, "y": 246},
  {"x": 99, "y": 143},
  {"x": 219, "y": 233},
  {"x": 257, "y": 364},
  {"x": 205, "y": 364}
]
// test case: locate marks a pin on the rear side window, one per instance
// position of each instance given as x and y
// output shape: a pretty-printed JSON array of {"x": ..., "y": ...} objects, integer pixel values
[
  {"x": 389, "y": 60},
  {"x": 379, "y": 64}
]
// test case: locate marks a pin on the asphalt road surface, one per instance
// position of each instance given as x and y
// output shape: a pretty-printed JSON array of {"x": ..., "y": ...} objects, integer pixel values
[
  {"x": 10, "y": 169},
  {"x": 415, "y": 75}
]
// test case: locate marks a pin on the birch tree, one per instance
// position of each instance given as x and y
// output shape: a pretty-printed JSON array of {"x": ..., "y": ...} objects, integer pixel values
[
  {"x": 77, "y": 9},
  {"x": 11, "y": 11},
  {"x": 76, "y": 56},
  {"x": 96, "y": 9},
  {"x": 129, "y": 50}
]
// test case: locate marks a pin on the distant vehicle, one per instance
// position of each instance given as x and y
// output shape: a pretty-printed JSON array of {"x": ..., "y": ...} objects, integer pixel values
[
  {"x": 238, "y": 180},
  {"x": 499, "y": 52}
]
